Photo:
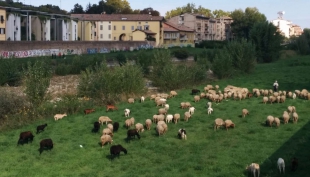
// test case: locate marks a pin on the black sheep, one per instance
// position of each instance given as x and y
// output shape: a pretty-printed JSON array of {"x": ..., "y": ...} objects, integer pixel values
[
  {"x": 195, "y": 91},
  {"x": 294, "y": 164},
  {"x": 41, "y": 128},
  {"x": 115, "y": 126},
  {"x": 132, "y": 133},
  {"x": 115, "y": 150},
  {"x": 46, "y": 144},
  {"x": 96, "y": 127},
  {"x": 25, "y": 137}
]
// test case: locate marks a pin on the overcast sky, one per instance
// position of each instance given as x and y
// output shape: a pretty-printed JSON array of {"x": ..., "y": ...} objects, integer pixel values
[{"x": 296, "y": 11}]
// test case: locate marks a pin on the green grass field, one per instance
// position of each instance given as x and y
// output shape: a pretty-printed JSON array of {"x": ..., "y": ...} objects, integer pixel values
[{"x": 204, "y": 153}]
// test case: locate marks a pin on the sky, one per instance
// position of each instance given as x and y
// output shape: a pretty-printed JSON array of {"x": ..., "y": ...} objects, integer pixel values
[{"x": 296, "y": 11}]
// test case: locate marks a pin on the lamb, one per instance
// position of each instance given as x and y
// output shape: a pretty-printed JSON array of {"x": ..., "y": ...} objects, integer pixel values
[
  {"x": 269, "y": 120},
  {"x": 110, "y": 126},
  {"x": 131, "y": 100},
  {"x": 148, "y": 124},
  {"x": 182, "y": 133},
  {"x": 218, "y": 122},
  {"x": 59, "y": 116},
  {"x": 139, "y": 127},
  {"x": 277, "y": 121},
  {"x": 173, "y": 93},
  {"x": 142, "y": 99},
  {"x": 228, "y": 124},
  {"x": 115, "y": 126},
  {"x": 127, "y": 112},
  {"x": 107, "y": 131},
  {"x": 115, "y": 150},
  {"x": 105, "y": 139},
  {"x": 169, "y": 118},
  {"x": 295, "y": 117},
  {"x": 245, "y": 112},
  {"x": 191, "y": 110},
  {"x": 176, "y": 117},
  {"x": 294, "y": 164},
  {"x": 187, "y": 115},
  {"x": 46, "y": 144},
  {"x": 104, "y": 119},
  {"x": 41, "y": 128},
  {"x": 196, "y": 98},
  {"x": 132, "y": 133},
  {"x": 286, "y": 117},
  {"x": 209, "y": 104},
  {"x": 253, "y": 168},
  {"x": 210, "y": 110},
  {"x": 281, "y": 165}
]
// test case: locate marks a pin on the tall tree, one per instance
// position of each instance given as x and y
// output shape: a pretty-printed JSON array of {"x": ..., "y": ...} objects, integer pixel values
[
  {"x": 119, "y": 5},
  {"x": 245, "y": 20},
  {"x": 150, "y": 10},
  {"x": 220, "y": 13},
  {"x": 77, "y": 9},
  {"x": 189, "y": 8}
]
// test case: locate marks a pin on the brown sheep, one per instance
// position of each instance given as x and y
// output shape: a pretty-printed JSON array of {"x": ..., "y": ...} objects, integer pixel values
[
  {"x": 245, "y": 112},
  {"x": 228, "y": 124}
]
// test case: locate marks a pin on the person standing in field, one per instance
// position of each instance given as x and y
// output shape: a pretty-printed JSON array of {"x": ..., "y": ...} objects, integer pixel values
[{"x": 275, "y": 86}]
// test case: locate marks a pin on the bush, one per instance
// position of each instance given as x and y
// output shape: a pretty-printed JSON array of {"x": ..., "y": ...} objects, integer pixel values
[
  {"x": 181, "y": 53},
  {"x": 10, "y": 103},
  {"x": 211, "y": 44},
  {"x": 9, "y": 73},
  {"x": 144, "y": 61},
  {"x": 222, "y": 65},
  {"x": 121, "y": 58}
]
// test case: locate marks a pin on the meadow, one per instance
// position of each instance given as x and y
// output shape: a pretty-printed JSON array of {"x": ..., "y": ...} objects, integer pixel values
[{"x": 206, "y": 152}]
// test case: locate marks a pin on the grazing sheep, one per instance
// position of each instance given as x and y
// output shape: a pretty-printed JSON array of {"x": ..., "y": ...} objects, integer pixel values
[
  {"x": 46, "y": 144},
  {"x": 25, "y": 137},
  {"x": 196, "y": 98},
  {"x": 165, "y": 126},
  {"x": 182, "y": 133},
  {"x": 183, "y": 105},
  {"x": 59, "y": 116},
  {"x": 157, "y": 118},
  {"x": 152, "y": 97},
  {"x": 209, "y": 104},
  {"x": 176, "y": 117},
  {"x": 105, "y": 139},
  {"x": 169, "y": 118},
  {"x": 142, "y": 99},
  {"x": 132, "y": 133},
  {"x": 282, "y": 99},
  {"x": 129, "y": 122},
  {"x": 88, "y": 111},
  {"x": 245, "y": 112},
  {"x": 218, "y": 122},
  {"x": 127, "y": 112},
  {"x": 167, "y": 107},
  {"x": 104, "y": 119},
  {"x": 286, "y": 117},
  {"x": 277, "y": 121},
  {"x": 161, "y": 102},
  {"x": 111, "y": 107},
  {"x": 96, "y": 127},
  {"x": 294, "y": 164},
  {"x": 202, "y": 95},
  {"x": 265, "y": 99},
  {"x": 173, "y": 93},
  {"x": 187, "y": 115},
  {"x": 281, "y": 165},
  {"x": 115, "y": 126},
  {"x": 139, "y": 127},
  {"x": 293, "y": 109},
  {"x": 162, "y": 111},
  {"x": 269, "y": 121},
  {"x": 107, "y": 131},
  {"x": 191, "y": 110},
  {"x": 110, "y": 126},
  {"x": 115, "y": 150},
  {"x": 131, "y": 100},
  {"x": 210, "y": 110},
  {"x": 148, "y": 124},
  {"x": 195, "y": 91},
  {"x": 290, "y": 109},
  {"x": 41, "y": 128},
  {"x": 294, "y": 96},
  {"x": 229, "y": 124},
  {"x": 253, "y": 168},
  {"x": 160, "y": 130},
  {"x": 295, "y": 117}
]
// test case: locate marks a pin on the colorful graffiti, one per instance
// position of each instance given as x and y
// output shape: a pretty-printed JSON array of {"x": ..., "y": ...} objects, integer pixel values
[
  {"x": 38, "y": 52},
  {"x": 91, "y": 50}
]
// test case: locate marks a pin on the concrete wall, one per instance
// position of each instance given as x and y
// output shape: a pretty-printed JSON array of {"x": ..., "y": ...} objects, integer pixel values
[{"x": 22, "y": 49}]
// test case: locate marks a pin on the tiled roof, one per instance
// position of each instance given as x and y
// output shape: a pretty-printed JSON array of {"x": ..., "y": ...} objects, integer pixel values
[
  {"x": 117, "y": 17},
  {"x": 179, "y": 27},
  {"x": 168, "y": 28}
]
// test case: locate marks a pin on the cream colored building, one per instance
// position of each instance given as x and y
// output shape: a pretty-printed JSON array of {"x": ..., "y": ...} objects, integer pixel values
[
  {"x": 120, "y": 27},
  {"x": 178, "y": 35},
  {"x": 2, "y": 24}
]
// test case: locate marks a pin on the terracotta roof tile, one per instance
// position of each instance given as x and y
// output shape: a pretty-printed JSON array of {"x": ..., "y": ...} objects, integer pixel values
[
  {"x": 117, "y": 17},
  {"x": 179, "y": 27}
]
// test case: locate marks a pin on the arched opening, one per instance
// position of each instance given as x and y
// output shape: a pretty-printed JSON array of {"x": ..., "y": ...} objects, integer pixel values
[{"x": 122, "y": 37}]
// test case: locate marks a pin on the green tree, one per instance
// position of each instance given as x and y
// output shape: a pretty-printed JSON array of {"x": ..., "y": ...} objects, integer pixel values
[
  {"x": 150, "y": 10},
  {"x": 245, "y": 20},
  {"x": 220, "y": 13},
  {"x": 267, "y": 40},
  {"x": 77, "y": 9},
  {"x": 119, "y": 5},
  {"x": 188, "y": 8}
]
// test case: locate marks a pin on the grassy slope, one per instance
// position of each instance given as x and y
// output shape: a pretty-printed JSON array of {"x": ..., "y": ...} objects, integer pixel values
[{"x": 205, "y": 153}]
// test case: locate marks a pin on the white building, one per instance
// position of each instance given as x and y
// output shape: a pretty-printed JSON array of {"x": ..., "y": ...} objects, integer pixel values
[
  {"x": 13, "y": 27},
  {"x": 73, "y": 31},
  {"x": 283, "y": 25}
]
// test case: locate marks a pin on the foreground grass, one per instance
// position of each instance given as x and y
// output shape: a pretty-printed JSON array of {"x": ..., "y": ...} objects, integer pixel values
[{"x": 204, "y": 153}]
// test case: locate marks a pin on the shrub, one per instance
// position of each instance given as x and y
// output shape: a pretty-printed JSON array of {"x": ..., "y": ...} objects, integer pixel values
[
  {"x": 121, "y": 58},
  {"x": 37, "y": 80},
  {"x": 181, "y": 53},
  {"x": 9, "y": 73},
  {"x": 10, "y": 103},
  {"x": 144, "y": 61},
  {"x": 222, "y": 65}
]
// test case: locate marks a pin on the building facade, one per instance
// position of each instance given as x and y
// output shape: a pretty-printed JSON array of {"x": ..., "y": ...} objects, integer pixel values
[
  {"x": 2, "y": 24},
  {"x": 295, "y": 30},
  {"x": 13, "y": 27},
  {"x": 283, "y": 26},
  {"x": 178, "y": 35}
]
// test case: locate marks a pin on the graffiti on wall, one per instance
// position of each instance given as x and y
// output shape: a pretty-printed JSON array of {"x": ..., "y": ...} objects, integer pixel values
[
  {"x": 38, "y": 52},
  {"x": 92, "y": 50},
  {"x": 146, "y": 46}
]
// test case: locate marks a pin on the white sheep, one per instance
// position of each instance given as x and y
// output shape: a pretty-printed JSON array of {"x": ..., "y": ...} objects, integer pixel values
[
  {"x": 245, "y": 112},
  {"x": 228, "y": 124},
  {"x": 104, "y": 119},
  {"x": 191, "y": 110},
  {"x": 197, "y": 98},
  {"x": 59, "y": 116},
  {"x": 210, "y": 110},
  {"x": 110, "y": 126},
  {"x": 281, "y": 165},
  {"x": 167, "y": 107},
  {"x": 142, "y": 99},
  {"x": 169, "y": 118},
  {"x": 131, "y": 100},
  {"x": 139, "y": 127},
  {"x": 176, "y": 117},
  {"x": 148, "y": 124},
  {"x": 173, "y": 93},
  {"x": 295, "y": 117},
  {"x": 277, "y": 121},
  {"x": 253, "y": 168},
  {"x": 127, "y": 112},
  {"x": 294, "y": 96},
  {"x": 105, "y": 139},
  {"x": 160, "y": 130},
  {"x": 107, "y": 131},
  {"x": 187, "y": 115},
  {"x": 286, "y": 117},
  {"x": 218, "y": 122},
  {"x": 270, "y": 120},
  {"x": 162, "y": 111}
]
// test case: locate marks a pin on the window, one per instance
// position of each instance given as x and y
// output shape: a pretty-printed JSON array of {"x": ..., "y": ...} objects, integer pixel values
[
  {"x": 1, "y": 19},
  {"x": 14, "y": 22},
  {"x": 101, "y": 27},
  {"x": 95, "y": 34},
  {"x": 146, "y": 27},
  {"x": 109, "y": 21},
  {"x": 109, "y": 27},
  {"x": 109, "y": 36},
  {"x": 114, "y": 38},
  {"x": 101, "y": 36},
  {"x": 123, "y": 27},
  {"x": 132, "y": 28},
  {"x": 2, "y": 30},
  {"x": 91, "y": 36},
  {"x": 114, "y": 27},
  {"x": 139, "y": 23}
]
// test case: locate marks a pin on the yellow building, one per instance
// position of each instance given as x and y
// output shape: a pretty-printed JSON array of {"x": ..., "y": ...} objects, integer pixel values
[
  {"x": 120, "y": 27},
  {"x": 2, "y": 24},
  {"x": 178, "y": 35}
]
